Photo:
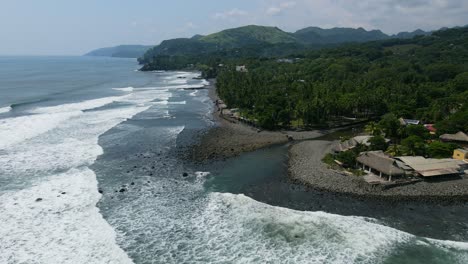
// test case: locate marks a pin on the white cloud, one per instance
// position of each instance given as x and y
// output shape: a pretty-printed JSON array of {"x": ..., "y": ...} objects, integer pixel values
[
  {"x": 230, "y": 14},
  {"x": 277, "y": 9}
]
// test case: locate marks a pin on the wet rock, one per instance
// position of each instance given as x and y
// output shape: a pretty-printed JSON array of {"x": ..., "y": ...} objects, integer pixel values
[
  {"x": 63, "y": 193},
  {"x": 38, "y": 199},
  {"x": 100, "y": 191},
  {"x": 132, "y": 183},
  {"x": 185, "y": 174},
  {"x": 123, "y": 190}
]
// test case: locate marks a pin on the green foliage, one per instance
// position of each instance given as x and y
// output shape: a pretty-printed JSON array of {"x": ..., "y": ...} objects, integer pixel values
[
  {"x": 421, "y": 78},
  {"x": 440, "y": 150},
  {"x": 373, "y": 128},
  {"x": 378, "y": 143},
  {"x": 390, "y": 125},
  {"x": 414, "y": 146},
  {"x": 348, "y": 158},
  {"x": 416, "y": 130},
  {"x": 329, "y": 159}
]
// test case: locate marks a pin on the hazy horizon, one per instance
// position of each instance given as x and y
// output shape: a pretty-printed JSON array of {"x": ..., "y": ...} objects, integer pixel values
[{"x": 52, "y": 27}]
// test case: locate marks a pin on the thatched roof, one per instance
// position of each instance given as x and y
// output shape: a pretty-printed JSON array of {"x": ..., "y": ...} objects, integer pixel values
[
  {"x": 377, "y": 160},
  {"x": 432, "y": 167},
  {"x": 460, "y": 136}
]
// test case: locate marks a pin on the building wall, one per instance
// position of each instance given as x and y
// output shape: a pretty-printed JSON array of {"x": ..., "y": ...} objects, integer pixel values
[{"x": 459, "y": 155}]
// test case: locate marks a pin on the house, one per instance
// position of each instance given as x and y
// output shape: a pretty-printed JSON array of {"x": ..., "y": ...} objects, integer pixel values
[
  {"x": 378, "y": 163},
  {"x": 461, "y": 154},
  {"x": 406, "y": 122},
  {"x": 430, "y": 168},
  {"x": 354, "y": 142},
  {"x": 241, "y": 68},
  {"x": 431, "y": 128},
  {"x": 460, "y": 138}
]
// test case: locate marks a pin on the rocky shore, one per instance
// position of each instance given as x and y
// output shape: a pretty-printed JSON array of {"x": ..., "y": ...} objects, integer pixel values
[
  {"x": 306, "y": 166},
  {"x": 229, "y": 138}
]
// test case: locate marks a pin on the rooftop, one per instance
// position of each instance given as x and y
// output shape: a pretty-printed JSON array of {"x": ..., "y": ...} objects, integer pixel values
[{"x": 380, "y": 162}]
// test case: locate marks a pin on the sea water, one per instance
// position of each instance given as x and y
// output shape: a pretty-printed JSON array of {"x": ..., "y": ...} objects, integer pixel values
[{"x": 93, "y": 169}]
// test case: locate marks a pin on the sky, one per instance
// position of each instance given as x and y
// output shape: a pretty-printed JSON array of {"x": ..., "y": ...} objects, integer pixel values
[{"x": 74, "y": 27}]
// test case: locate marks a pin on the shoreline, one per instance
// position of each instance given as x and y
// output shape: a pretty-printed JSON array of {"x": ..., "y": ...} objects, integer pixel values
[
  {"x": 305, "y": 166},
  {"x": 228, "y": 139}
]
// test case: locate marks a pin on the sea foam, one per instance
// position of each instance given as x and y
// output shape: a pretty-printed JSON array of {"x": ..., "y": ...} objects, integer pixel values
[
  {"x": 5, "y": 109},
  {"x": 63, "y": 227}
]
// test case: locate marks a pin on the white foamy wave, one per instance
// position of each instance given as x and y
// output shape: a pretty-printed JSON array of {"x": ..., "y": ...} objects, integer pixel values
[
  {"x": 178, "y": 103},
  {"x": 72, "y": 143},
  {"x": 194, "y": 93},
  {"x": 64, "y": 227},
  {"x": 128, "y": 89},
  {"x": 239, "y": 229},
  {"x": 178, "y": 81},
  {"x": 15, "y": 130},
  {"x": 80, "y": 106},
  {"x": 185, "y": 86},
  {"x": 5, "y": 109},
  {"x": 205, "y": 82}
]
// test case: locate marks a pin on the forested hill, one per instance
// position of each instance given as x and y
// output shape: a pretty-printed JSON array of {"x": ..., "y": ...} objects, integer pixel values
[
  {"x": 123, "y": 51},
  {"x": 422, "y": 78},
  {"x": 264, "y": 41}
]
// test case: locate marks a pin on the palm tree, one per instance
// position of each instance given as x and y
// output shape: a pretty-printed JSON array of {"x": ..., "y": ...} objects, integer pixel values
[{"x": 373, "y": 129}]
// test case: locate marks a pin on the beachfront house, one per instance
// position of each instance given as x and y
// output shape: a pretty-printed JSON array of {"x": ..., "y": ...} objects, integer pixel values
[
  {"x": 376, "y": 162},
  {"x": 353, "y": 142},
  {"x": 459, "y": 138},
  {"x": 461, "y": 154},
  {"x": 433, "y": 168}
]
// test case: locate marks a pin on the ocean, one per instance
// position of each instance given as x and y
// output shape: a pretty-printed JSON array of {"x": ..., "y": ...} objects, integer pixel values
[{"x": 92, "y": 165}]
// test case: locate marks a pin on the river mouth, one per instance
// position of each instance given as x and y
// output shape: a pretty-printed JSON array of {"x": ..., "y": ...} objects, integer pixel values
[{"x": 169, "y": 209}]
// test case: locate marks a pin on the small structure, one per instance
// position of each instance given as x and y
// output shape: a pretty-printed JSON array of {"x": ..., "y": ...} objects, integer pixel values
[
  {"x": 459, "y": 137},
  {"x": 285, "y": 60},
  {"x": 406, "y": 122},
  {"x": 354, "y": 142},
  {"x": 461, "y": 154},
  {"x": 429, "y": 168},
  {"x": 241, "y": 68},
  {"x": 380, "y": 164},
  {"x": 431, "y": 128}
]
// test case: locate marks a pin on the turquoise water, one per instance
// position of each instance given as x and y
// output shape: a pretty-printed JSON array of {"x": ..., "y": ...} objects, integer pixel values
[{"x": 92, "y": 171}]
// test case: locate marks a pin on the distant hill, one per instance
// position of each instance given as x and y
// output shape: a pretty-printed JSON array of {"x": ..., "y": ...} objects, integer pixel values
[
  {"x": 316, "y": 35},
  {"x": 266, "y": 41},
  {"x": 249, "y": 35},
  {"x": 415, "y": 33},
  {"x": 123, "y": 51}
]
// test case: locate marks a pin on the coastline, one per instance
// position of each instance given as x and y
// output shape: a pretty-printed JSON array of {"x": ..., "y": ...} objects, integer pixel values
[
  {"x": 306, "y": 167},
  {"x": 229, "y": 139}
]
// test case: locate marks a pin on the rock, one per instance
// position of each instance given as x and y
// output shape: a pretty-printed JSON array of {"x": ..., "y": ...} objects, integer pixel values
[
  {"x": 38, "y": 199},
  {"x": 63, "y": 193},
  {"x": 123, "y": 190},
  {"x": 100, "y": 191},
  {"x": 185, "y": 174},
  {"x": 132, "y": 183}
]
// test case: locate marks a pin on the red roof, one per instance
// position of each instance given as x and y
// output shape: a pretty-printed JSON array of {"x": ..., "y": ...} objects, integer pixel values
[{"x": 430, "y": 127}]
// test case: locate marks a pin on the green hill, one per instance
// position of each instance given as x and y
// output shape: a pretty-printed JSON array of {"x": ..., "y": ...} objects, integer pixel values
[
  {"x": 316, "y": 35},
  {"x": 249, "y": 35},
  {"x": 122, "y": 51}
]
